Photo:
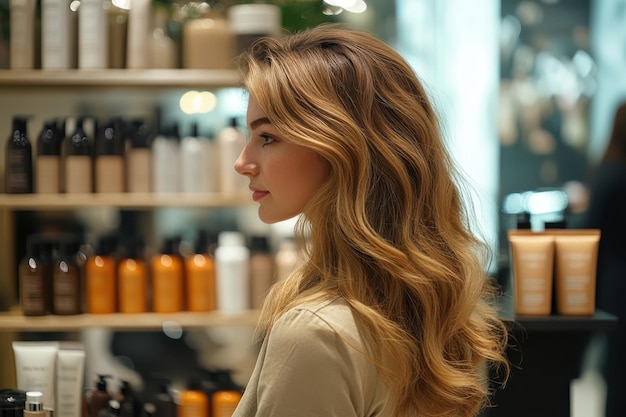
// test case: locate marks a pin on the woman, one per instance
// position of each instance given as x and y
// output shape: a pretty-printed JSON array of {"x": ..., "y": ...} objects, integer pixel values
[
  {"x": 607, "y": 203},
  {"x": 389, "y": 315}
]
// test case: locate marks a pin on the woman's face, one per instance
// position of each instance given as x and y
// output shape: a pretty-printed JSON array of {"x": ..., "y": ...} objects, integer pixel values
[{"x": 283, "y": 176}]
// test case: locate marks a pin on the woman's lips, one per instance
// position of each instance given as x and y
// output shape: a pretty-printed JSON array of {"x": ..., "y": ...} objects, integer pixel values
[{"x": 257, "y": 195}]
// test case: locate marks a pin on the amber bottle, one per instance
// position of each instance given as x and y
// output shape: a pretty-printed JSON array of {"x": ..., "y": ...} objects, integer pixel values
[
  {"x": 35, "y": 276},
  {"x": 101, "y": 292},
  {"x": 200, "y": 276},
  {"x": 167, "y": 279},
  {"x": 132, "y": 276}
]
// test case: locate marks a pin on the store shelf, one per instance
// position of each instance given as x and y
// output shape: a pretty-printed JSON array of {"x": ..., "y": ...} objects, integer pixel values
[
  {"x": 183, "y": 78},
  {"x": 122, "y": 201},
  {"x": 15, "y": 321}
]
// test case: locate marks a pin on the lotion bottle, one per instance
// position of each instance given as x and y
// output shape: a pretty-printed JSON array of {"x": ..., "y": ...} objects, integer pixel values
[
  {"x": 200, "y": 275},
  {"x": 162, "y": 48},
  {"x": 109, "y": 160},
  {"x": 225, "y": 400},
  {"x": 193, "y": 402},
  {"x": 230, "y": 142},
  {"x": 132, "y": 277},
  {"x": 97, "y": 399},
  {"x": 18, "y": 159},
  {"x": 101, "y": 291},
  {"x": 33, "y": 407},
  {"x": 139, "y": 159},
  {"x": 92, "y": 35},
  {"x": 56, "y": 34},
  {"x": 232, "y": 268},
  {"x": 22, "y": 37},
  {"x": 195, "y": 153},
  {"x": 48, "y": 160},
  {"x": 166, "y": 161},
  {"x": 138, "y": 34},
  {"x": 78, "y": 161},
  {"x": 167, "y": 279},
  {"x": 34, "y": 274}
]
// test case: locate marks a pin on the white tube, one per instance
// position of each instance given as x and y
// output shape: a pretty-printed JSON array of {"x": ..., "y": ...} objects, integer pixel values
[
  {"x": 69, "y": 379},
  {"x": 35, "y": 364}
]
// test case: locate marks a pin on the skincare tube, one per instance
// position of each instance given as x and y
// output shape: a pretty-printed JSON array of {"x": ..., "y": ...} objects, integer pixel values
[
  {"x": 70, "y": 378},
  {"x": 576, "y": 262},
  {"x": 35, "y": 364},
  {"x": 532, "y": 255}
]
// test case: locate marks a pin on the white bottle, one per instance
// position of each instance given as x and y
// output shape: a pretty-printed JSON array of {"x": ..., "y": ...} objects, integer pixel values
[
  {"x": 194, "y": 155},
  {"x": 166, "y": 161},
  {"x": 137, "y": 49},
  {"x": 232, "y": 272},
  {"x": 230, "y": 142},
  {"x": 22, "y": 37},
  {"x": 92, "y": 35},
  {"x": 56, "y": 51}
]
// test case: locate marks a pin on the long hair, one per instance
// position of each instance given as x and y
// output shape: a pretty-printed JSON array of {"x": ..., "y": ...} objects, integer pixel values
[{"x": 388, "y": 231}]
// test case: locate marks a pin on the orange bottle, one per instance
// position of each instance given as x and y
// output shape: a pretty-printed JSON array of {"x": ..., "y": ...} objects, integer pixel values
[
  {"x": 100, "y": 271},
  {"x": 132, "y": 276},
  {"x": 193, "y": 403},
  {"x": 200, "y": 275},
  {"x": 224, "y": 401},
  {"x": 167, "y": 279}
]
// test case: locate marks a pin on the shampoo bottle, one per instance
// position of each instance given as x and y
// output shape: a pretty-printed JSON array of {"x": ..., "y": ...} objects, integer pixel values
[
  {"x": 193, "y": 402},
  {"x": 78, "y": 161},
  {"x": 232, "y": 259},
  {"x": 18, "y": 159},
  {"x": 165, "y": 162},
  {"x": 100, "y": 271},
  {"x": 225, "y": 400},
  {"x": 162, "y": 48},
  {"x": 92, "y": 35},
  {"x": 139, "y": 159},
  {"x": 261, "y": 270},
  {"x": 200, "y": 275},
  {"x": 194, "y": 154},
  {"x": 109, "y": 160},
  {"x": 34, "y": 274},
  {"x": 56, "y": 34},
  {"x": 48, "y": 160},
  {"x": 66, "y": 279},
  {"x": 22, "y": 36},
  {"x": 167, "y": 279},
  {"x": 97, "y": 399},
  {"x": 133, "y": 280},
  {"x": 230, "y": 142}
]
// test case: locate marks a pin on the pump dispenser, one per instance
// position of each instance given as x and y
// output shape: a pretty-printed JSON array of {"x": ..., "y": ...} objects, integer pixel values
[
  {"x": 139, "y": 159},
  {"x": 130, "y": 405},
  {"x": 97, "y": 399},
  {"x": 18, "y": 159}
]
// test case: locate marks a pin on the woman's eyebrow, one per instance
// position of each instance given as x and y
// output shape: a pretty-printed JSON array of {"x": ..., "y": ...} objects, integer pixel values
[{"x": 258, "y": 122}]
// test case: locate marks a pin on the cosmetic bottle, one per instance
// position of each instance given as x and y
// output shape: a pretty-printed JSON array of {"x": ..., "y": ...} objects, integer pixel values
[
  {"x": 193, "y": 402},
  {"x": 33, "y": 407},
  {"x": 35, "y": 276},
  {"x": 48, "y": 160},
  {"x": 249, "y": 22},
  {"x": 133, "y": 279},
  {"x": 78, "y": 161},
  {"x": 113, "y": 409},
  {"x": 261, "y": 270},
  {"x": 163, "y": 51},
  {"x": 225, "y": 400},
  {"x": 130, "y": 405},
  {"x": 97, "y": 399},
  {"x": 200, "y": 275},
  {"x": 167, "y": 279},
  {"x": 109, "y": 159},
  {"x": 100, "y": 270},
  {"x": 194, "y": 162},
  {"x": 117, "y": 32},
  {"x": 92, "y": 35},
  {"x": 232, "y": 268},
  {"x": 166, "y": 161},
  {"x": 139, "y": 158},
  {"x": 56, "y": 34},
  {"x": 18, "y": 159},
  {"x": 163, "y": 401},
  {"x": 66, "y": 278},
  {"x": 208, "y": 42},
  {"x": 230, "y": 142},
  {"x": 22, "y": 37},
  {"x": 138, "y": 35}
]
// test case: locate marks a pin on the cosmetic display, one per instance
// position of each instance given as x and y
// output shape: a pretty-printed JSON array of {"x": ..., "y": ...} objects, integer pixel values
[
  {"x": 70, "y": 368},
  {"x": 139, "y": 158},
  {"x": 22, "y": 37},
  {"x": 57, "y": 41}
]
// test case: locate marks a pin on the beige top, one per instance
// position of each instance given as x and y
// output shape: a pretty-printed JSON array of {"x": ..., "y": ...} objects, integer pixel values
[{"x": 309, "y": 366}]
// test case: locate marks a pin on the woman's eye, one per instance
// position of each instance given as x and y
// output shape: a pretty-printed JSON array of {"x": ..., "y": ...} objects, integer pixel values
[{"x": 267, "y": 139}]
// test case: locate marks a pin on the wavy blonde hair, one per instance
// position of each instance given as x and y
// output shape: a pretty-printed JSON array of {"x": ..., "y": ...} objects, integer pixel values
[{"x": 388, "y": 231}]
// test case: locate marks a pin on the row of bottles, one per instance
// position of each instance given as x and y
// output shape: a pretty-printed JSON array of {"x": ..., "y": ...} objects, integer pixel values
[
  {"x": 119, "y": 156},
  {"x": 99, "y": 34},
  {"x": 63, "y": 276}
]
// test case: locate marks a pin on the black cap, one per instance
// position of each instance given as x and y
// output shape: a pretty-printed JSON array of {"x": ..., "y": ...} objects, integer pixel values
[
  {"x": 49, "y": 142},
  {"x": 259, "y": 244},
  {"x": 109, "y": 140}
]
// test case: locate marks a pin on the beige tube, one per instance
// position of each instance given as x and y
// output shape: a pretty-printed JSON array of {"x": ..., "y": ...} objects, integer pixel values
[
  {"x": 532, "y": 255},
  {"x": 69, "y": 379},
  {"x": 576, "y": 262}
]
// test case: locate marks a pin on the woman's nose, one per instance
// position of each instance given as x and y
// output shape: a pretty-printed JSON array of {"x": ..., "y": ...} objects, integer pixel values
[{"x": 244, "y": 165}]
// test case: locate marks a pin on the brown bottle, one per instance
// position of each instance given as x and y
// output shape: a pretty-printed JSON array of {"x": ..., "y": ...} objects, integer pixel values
[
  {"x": 18, "y": 161},
  {"x": 35, "y": 275},
  {"x": 66, "y": 278}
]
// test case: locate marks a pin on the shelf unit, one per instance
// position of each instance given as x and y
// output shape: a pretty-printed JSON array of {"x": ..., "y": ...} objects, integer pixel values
[{"x": 20, "y": 91}]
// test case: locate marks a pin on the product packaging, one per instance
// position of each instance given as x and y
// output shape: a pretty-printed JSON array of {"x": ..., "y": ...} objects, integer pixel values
[
  {"x": 69, "y": 379},
  {"x": 252, "y": 21},
  {"x": 18, "y": 164},
  {"x": 35, "y": 276},
  {"x": 35, "y": 364},
  {"x": 167, "y": 278},
  {"x": 232, "y": 268},
  {"x": 532, "y": 256},
  {"x": 100, "y": 271},
  {"x": 200, "y": 275},
  {"x": 48, "y": 160}
]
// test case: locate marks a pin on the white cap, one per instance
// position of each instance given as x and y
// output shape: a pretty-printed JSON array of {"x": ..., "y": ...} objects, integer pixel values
[
  {"x": 231, "y": 239},
  {"x": 34, "y": 401},
  {"x": 255, "y": 19}
]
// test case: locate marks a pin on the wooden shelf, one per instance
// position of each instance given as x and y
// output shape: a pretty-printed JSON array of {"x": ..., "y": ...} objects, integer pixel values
[
  {"x": 123, "y": 201},
  {"x": 182, "y": 78},
  {"x": 15, "y": 321}
]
